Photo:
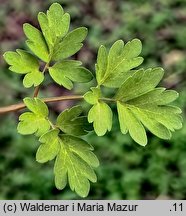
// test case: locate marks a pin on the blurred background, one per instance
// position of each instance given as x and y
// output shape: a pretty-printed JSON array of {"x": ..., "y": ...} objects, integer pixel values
[{"x": 127, "y": 171}]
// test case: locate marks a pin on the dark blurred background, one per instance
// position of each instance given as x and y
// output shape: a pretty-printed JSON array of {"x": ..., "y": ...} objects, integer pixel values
[{"x": 127, "y": 171}]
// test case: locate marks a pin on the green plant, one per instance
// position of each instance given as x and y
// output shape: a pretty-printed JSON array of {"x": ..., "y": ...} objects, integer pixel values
[{"x": 140, "y": 103}]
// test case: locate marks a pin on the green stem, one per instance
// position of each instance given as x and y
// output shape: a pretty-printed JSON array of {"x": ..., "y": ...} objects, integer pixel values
[
  {"x": 108, "y": 99},
  {"x": 36, "y": 91},
  {"x": 51, "y": 124}
]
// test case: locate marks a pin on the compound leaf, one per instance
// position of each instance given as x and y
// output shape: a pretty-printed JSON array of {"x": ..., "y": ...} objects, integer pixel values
[
  {"x": 23, "y": 62},
  {"x": 35, "y": 121},
  {"x": 76, "y": 160},
  {"x": 36, "y": 42},
  {"x": 66, "y": 71},
  {"x": 101, "y": 116},
  {"x": 111, "y": 68},
  {"x": 70, "y": 121},
  {"x": 54, "y": 25},
  {"x": 141, "y": 105}
]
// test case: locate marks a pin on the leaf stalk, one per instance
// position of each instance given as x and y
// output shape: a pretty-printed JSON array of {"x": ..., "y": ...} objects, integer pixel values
[{"x": 36, "y": 91}]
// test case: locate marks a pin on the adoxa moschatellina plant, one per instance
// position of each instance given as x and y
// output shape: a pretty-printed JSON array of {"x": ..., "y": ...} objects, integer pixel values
[{"x": 140, "y": 103}]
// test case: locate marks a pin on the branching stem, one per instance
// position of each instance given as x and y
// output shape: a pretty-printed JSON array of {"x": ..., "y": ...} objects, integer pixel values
[{"x": 19, "y": 106}]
